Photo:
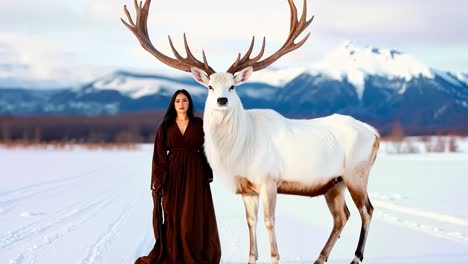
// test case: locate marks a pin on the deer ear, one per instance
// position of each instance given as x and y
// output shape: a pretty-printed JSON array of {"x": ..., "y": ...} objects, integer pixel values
[
  {"x": 200, "y": 76},
  {"x": 243, "y": 75}
]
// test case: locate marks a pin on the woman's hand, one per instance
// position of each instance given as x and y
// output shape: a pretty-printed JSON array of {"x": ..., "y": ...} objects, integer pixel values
[{"x": 158, "y": 192}]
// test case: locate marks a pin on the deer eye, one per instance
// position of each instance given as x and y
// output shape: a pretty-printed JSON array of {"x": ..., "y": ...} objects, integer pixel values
[
  {"x": 210, "y": 88},
  {"x": 231, "y": 88}
]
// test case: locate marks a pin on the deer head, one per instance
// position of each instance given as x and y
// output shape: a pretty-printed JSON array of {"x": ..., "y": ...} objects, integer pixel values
[{"x": 221, "y": 86}]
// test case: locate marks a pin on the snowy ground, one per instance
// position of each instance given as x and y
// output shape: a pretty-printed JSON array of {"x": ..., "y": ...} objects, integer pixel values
[{"x": 81, "y": 206}]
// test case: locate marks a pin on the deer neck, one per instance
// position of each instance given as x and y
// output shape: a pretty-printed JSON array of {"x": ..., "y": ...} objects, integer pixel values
[{"x": 228, "y": 132}]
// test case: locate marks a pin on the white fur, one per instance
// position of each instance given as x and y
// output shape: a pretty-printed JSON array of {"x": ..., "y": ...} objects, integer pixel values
[{"x": 259, "y": 144}]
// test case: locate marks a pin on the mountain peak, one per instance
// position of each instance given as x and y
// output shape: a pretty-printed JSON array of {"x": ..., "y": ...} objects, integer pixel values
[
  {"x": 350, "y": 48},
  {"x": 353, "y": 62}
]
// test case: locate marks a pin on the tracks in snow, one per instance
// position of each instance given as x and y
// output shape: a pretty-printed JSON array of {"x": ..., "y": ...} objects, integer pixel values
[
  {"x": 44, "y": 234},
  {"x": 106, "y": 238},
  {"x": 394, "y": 213},
  {"x": 9, "y": 199}
]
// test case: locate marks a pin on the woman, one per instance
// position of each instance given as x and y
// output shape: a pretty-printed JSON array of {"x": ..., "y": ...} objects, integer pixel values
[{"x": 180, "y": 179}]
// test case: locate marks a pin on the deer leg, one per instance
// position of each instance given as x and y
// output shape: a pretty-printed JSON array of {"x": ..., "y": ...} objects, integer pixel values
[
  {"x": 358, "y": 191},
  {"x": 269, "y": 193},
  {"x": 251, "y": 211},
  {"x": 336, "y": 203}
]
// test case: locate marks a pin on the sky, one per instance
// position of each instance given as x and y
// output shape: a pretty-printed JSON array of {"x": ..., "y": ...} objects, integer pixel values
[{"x": 84, "y": 38}]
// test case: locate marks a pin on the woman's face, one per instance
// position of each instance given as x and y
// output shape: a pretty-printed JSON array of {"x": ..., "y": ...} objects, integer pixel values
[{"x": 181, "y": 103}]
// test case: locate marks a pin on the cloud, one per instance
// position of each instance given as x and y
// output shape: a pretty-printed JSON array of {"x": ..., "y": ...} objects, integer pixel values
[
  {"x": 34, "y": 58},
  {"x": 92, "y": 31},
  {"x": 21, "y": 51},
  {"x": 215, "y": 19},
  {"x": 400, "y": 20},
  {"x": 41, "y": 15}
]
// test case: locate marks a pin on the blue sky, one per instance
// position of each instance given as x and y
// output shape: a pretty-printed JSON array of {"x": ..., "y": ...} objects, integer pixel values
[{"x": 86, "y": 35}]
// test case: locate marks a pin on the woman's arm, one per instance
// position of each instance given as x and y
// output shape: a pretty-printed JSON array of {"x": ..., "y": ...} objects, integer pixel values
[{"x": 159, "y": 164}]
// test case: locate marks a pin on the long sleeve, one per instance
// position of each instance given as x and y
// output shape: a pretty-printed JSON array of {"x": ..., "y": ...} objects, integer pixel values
[{"x": 159, "y": 164}]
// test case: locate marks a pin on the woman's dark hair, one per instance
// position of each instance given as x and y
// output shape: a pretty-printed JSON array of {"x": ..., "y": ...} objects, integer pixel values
[{"x": 171, "y": 112}]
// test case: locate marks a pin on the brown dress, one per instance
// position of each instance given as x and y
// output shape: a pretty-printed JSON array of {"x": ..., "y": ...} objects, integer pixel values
[{"x": 189, "y": 233}]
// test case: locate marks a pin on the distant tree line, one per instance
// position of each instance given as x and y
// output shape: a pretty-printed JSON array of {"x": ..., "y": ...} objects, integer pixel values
[{"x": 135, "y": 127}]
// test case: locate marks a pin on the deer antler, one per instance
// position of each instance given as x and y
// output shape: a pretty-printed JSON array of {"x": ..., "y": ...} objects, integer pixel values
[
  {"x": 140, "y": 30},
  {"x": 296, "y": 28}
]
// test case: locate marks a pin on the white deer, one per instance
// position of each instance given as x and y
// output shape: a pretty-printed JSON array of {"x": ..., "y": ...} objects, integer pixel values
[{"x": 261, "y": 153}]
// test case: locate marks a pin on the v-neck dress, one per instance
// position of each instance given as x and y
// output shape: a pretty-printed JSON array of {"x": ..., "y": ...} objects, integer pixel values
[{"x": 180, "y": 167}]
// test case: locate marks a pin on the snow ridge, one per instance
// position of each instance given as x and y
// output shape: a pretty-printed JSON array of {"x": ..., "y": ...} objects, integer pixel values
[
  {"x": 355, "y": 63},
  {"x": 136, "y": 87}
]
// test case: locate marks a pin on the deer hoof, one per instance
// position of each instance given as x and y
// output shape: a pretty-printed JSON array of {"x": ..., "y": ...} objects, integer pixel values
[{"x": 274, "y": 259}]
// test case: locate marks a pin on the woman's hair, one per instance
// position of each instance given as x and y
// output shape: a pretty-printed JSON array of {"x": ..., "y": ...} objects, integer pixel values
[{"x": 171, "y": 112}]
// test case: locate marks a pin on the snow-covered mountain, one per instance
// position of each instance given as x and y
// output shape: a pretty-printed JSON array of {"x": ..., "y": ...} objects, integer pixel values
[
  {"x": 26, "y": 76},
  {"x": 356, "y": 64},
  {"x": 380, "y": 86},
  {"x": 139, "y": 85}
]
